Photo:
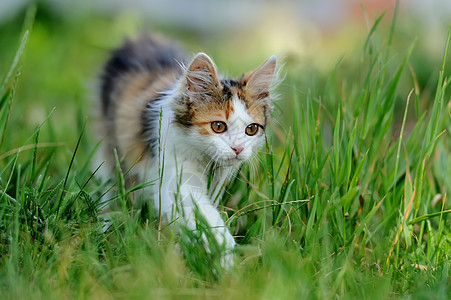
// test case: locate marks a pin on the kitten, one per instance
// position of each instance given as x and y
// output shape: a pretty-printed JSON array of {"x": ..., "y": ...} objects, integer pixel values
[{"x": 174, "y": 121}]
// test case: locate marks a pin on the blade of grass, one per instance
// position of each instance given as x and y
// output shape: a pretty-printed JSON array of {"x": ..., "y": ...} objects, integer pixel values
[
  {"x": 398, "y": 151},
  {"x": 370, "y": 34},
  {"x": 428, "y": 217},
  {"x": 63, "y": 190}
]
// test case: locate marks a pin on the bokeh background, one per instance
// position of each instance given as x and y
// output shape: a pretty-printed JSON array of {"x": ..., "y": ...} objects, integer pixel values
[
  {"x": 70, "y": 40},
  {"x": 342, "y": 239}
]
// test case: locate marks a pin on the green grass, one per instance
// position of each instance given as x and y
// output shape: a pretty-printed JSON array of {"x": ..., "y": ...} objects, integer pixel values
[{"x": 343, "y": 204}]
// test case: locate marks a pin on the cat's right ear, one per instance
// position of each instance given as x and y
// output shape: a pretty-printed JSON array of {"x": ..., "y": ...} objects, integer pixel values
[
  {"x": 201, "y": 74},
  {"x": 259, "y": 82}
]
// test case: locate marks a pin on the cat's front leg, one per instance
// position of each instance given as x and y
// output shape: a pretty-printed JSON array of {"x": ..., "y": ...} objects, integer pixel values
[
  {"x": 202, "y": 208},
  {"x": 191, "y": 205}
]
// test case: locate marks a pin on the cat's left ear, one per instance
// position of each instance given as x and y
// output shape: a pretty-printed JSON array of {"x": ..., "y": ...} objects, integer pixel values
[
  {"x": 258, "y": 82},
  {"x": 201, "y": 75}
]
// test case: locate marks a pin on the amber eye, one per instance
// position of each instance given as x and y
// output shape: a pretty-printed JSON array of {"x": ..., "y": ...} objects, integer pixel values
[
  {"x": 252, "y": 129},
  {"x": 218, "y": 126}
]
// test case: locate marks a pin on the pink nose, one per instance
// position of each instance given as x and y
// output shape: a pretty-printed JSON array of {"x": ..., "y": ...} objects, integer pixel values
[{"x": 237, "y": 150}]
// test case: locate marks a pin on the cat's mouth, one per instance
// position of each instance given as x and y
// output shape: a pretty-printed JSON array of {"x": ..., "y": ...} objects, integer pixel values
[{"x": 231, "y": 161}]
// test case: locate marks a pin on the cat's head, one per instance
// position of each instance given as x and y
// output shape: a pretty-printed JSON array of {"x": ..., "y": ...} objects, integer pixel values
[{"x": 225, "y": 119}]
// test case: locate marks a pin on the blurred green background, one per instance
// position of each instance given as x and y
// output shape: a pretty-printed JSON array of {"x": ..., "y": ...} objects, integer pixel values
[{"x": 70, "y": 40}]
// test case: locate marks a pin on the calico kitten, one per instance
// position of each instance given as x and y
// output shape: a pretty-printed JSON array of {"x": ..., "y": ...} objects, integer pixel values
[{"x": 173, "y": 121}]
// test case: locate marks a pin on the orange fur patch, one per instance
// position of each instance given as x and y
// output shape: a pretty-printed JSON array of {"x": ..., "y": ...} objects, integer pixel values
[
  {"x": 229, "y": 109},
  {"x": 208, "y": 113},
  {"x": 138, "y": 90},
  {"x": 257, "y": 112}
]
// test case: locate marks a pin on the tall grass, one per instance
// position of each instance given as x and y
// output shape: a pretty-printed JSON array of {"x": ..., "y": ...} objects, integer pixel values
[{"x": 343, "y": 206}]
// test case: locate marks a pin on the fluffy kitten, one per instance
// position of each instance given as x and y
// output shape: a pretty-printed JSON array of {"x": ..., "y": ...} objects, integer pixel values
[{"x": 174, "y": 121}]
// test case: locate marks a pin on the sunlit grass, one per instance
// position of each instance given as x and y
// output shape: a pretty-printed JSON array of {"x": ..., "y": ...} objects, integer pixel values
[{"x": 345, "y": 202}]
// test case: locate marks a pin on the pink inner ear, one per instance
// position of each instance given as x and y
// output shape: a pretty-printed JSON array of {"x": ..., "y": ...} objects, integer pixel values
[
  {"x": 260, "y": 79},
  {"x": 199, "y": 80},
  {"x": 201, "y": 73}
]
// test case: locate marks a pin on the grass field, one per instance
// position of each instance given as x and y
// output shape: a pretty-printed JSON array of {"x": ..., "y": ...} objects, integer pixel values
[{"x": 349, "y": 199}]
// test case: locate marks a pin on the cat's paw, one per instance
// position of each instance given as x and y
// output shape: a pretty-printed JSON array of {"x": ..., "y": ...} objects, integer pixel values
[
  {"x": 227, "y": 260},
  {"x": 228, "y": 242}
]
